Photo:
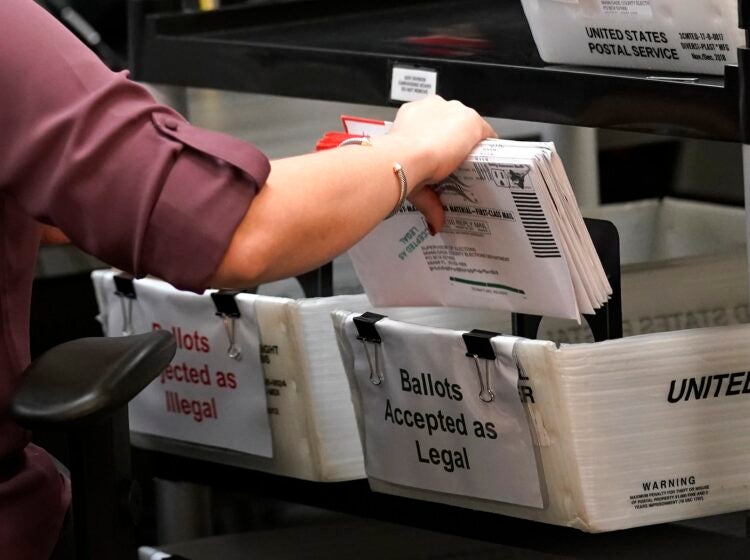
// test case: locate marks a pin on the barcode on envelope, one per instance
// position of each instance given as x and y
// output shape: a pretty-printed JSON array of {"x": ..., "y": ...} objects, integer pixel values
[
  {"x": 483, "y": 171},
  {"x": 536, "y": 225}
]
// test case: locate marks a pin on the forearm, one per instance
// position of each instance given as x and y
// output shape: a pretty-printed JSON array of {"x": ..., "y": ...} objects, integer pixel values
[{"x": 316, "y": 206}]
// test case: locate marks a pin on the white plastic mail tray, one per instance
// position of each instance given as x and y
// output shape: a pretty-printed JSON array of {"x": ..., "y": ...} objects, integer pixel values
[
  {"x": 684, "y": 267},
  {"x": 692, "y": 36},
  {"x": 606, "y": 421},
  {"x": 642, "y": 430},
  {"x": 312, "y": 423}
]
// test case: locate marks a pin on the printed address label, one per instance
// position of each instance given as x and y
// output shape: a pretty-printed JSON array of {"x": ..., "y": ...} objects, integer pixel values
[{"x": 632, "y": 8}]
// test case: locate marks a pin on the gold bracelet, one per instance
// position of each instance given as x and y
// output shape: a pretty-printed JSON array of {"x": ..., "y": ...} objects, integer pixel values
[{"x": 398, "y": 171}]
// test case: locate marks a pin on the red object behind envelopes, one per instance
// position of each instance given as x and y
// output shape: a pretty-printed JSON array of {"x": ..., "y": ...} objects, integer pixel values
[{"x": 333, "y": 138}]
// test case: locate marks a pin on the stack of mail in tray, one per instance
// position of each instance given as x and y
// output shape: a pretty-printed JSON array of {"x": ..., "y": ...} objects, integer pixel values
[
  {"x": 514, "y": 239},
  {"x": 288, "y": 345}
]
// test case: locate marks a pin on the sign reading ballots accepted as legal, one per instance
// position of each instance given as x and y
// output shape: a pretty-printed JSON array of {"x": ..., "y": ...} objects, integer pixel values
[
  {"x": 425, "y": 425},
  {"x": 204, "y": 396}
]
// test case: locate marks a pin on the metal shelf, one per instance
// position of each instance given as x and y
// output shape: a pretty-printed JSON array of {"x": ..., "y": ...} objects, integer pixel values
[
  {"x": 313, "y": 49},
  {"x": 715, "y": 537}
]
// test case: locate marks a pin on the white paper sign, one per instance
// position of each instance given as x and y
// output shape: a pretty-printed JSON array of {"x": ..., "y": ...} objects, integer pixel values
[
  {"x": 412, "y": 84},
  {"x": 425, "y": 425},
  {"x": 203, "y": 396}
]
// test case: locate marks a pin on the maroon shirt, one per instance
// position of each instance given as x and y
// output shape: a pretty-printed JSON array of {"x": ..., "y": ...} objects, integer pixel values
[{"x": 127, "y": 179}]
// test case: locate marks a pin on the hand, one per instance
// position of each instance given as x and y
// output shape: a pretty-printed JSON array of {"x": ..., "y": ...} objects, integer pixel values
[
  {"x": 442, "y": 133},
  {"x": 438, "y": 135}
]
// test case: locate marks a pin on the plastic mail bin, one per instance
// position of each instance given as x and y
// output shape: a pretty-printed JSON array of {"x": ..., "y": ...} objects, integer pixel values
[
  {"x": 670, "y": 249},
  {"x": 636, "y": 431},
  {"x": 309, "y": 409},
  {"x": 684, "y": 266},
  {"x": 650, "y": 428}
]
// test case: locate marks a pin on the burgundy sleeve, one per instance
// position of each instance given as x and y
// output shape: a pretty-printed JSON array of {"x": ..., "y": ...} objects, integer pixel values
[{"x": 91, "y": 152}]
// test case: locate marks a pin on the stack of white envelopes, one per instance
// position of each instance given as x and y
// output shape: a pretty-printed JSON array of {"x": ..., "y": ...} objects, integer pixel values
[
  {"x": 514, "y": 239},
  {"x": 600, "y": 437}
]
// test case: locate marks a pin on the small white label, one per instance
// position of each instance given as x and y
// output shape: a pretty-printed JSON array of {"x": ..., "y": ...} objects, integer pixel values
[
  {"x": 412, "y": 84},
  {"x": 431, "y": 424},
  {"x": 630, "y": 8}
]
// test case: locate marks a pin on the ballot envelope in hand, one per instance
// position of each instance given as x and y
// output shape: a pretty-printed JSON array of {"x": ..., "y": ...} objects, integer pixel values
[{"x": 513, "y": 239}]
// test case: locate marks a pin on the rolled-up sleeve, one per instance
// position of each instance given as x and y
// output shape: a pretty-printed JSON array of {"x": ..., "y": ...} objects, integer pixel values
[{"x": 91, "y": 152}]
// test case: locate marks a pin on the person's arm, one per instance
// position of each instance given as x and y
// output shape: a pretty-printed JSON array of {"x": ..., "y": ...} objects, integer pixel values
[
  {"x": 316, "y": 206},
  {"x": 124, "y": 178},
  {"x": 131, "y": 182}
]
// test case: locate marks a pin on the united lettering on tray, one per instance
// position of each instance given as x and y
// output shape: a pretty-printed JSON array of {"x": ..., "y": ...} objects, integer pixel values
[{"x": 709, "y": 386}]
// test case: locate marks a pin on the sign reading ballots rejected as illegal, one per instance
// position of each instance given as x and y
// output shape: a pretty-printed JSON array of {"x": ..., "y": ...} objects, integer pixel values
[
  {"x": 204, "y": 396},
  {"x": 425, "y": 424}
]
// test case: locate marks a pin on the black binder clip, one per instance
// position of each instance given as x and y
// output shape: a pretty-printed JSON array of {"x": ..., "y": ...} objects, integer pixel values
[
  {"x": 226, "y": 308},
  {"x": 125, "y": 290},
  {"x": 479, "y": 346},
  {"x": 365, "y": 325}
]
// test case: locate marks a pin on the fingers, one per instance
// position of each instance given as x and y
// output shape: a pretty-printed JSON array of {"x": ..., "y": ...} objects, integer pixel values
[
  {"x": 486, "y": 130},
  {"x": 489, "y": 132},
  {"x": 439, "y": 134},
  {"x": 428, "y": 203}
]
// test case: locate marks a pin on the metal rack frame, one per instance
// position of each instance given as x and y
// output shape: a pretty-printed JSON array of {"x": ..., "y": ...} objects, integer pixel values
[{"x": 204, "y": 50}]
